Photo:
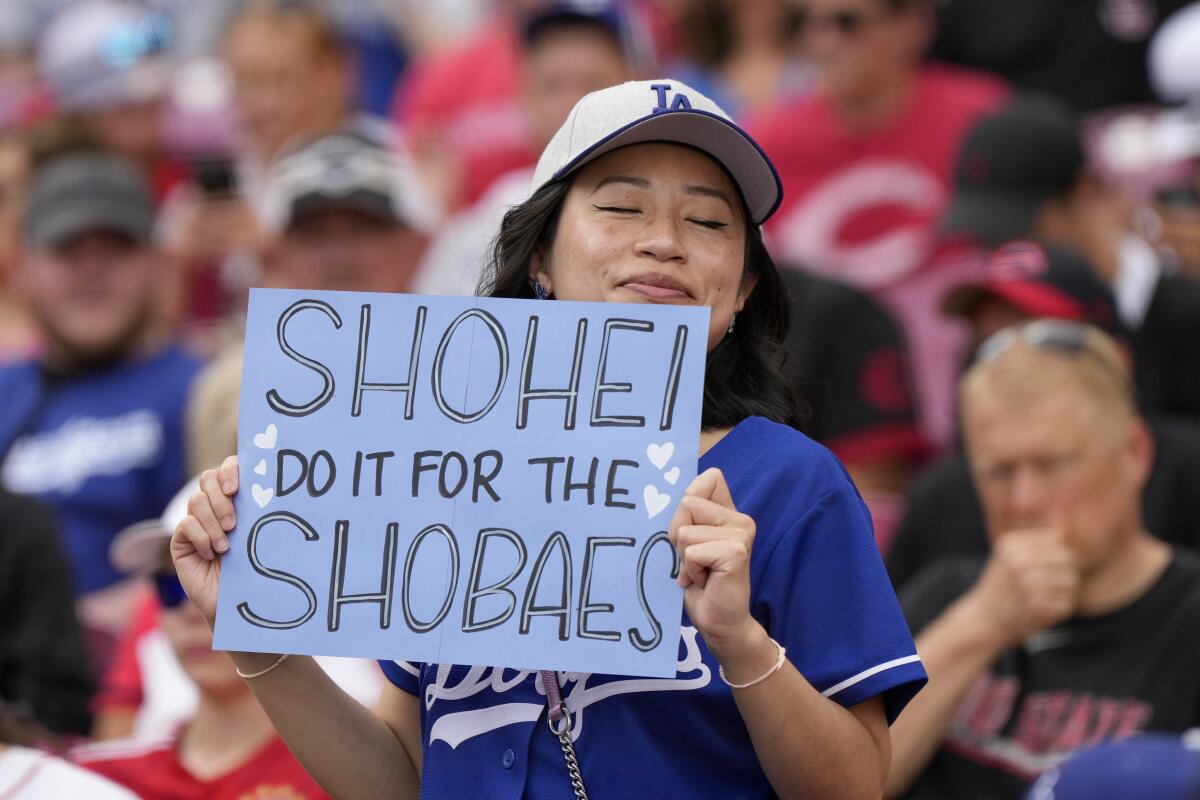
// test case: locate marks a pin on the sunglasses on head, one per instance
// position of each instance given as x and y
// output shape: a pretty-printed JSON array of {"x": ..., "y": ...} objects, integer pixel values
[
  {"x": 1050, "y": 335},
  {"x": 169, "y": 590}
]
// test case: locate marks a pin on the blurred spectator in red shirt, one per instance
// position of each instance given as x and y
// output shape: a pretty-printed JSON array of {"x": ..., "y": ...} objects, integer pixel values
[
  {"x": 147, "y": 694},
  {"x": 228, "y": 750},
  {"x": 866, "y": 161},
  {"x": 567, "y": 51},
  {"x": 460, "y": 108},
  {"x": 742, "y": 53}
]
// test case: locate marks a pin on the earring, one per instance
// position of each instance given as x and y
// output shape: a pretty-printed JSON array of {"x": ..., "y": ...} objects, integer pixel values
[
  {"x": 539, "y": 291},
  {"x": 732, "y": 322}
]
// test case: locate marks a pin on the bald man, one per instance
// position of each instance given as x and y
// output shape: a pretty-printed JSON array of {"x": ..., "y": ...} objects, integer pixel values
[{"x": 1079, "y": 626}]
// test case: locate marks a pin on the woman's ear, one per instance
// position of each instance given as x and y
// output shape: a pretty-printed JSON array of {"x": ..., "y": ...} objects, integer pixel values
[
  {"x": 749, "y": 281},
  {"x": 538, "y": 272}
]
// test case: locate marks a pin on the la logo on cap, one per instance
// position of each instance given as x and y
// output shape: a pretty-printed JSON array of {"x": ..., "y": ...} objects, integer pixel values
[{"x": 680, "y": 102}]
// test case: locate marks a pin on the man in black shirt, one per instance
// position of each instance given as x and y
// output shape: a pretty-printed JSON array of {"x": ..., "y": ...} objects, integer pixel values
[
  {"x": 1079, "y": 626},
  {"x": 1025, "y": 280}
]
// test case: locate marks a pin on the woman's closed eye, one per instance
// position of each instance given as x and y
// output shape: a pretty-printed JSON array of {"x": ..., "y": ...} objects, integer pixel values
[
  {"x": 714, "y": 224},
  {"x": 617, "y": 209}
]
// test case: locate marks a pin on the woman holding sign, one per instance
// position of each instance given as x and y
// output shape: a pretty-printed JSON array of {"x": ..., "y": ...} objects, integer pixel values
[{"x": 794, "y": 657}]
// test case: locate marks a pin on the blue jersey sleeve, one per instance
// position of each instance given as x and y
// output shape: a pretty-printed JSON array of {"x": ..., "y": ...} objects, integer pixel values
[
  {"x": 404, "y": 675},
  {"x": 826, "y": 597}
]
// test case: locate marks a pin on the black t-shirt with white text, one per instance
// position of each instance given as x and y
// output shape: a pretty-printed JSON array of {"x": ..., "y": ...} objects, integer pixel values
[{"x": 1085, "y": 681}]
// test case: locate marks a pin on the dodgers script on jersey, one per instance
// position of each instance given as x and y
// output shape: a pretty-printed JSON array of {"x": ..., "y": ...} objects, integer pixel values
[{"x": 817, "y": 586}]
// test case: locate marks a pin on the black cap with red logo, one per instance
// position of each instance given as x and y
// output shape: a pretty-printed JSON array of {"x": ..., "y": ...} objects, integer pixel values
[
  {"x": 1010, "y": 163},
  {"x": 1042, "y": 281}
]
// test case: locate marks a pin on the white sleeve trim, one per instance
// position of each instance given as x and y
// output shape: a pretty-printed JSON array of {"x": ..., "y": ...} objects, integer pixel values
[{"x": 867, "y": 673}]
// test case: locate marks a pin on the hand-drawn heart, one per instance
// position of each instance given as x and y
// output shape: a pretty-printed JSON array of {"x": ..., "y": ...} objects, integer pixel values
[
  {"x": 660, "y": 454},
  {"x": 261, "y": 496},
  {"x": 672, "y": 475},
  {"x": 266, "y": 439},
  {"x": 654, "y": 500},
  {"x": 261, "y": 468}
]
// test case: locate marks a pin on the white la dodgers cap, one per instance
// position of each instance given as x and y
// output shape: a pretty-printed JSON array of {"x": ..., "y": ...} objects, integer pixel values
[{"x": 660, "y": 110}]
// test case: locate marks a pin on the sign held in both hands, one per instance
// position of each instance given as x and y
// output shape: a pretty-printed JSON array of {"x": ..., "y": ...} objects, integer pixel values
[{"x": 462, "y": 480}]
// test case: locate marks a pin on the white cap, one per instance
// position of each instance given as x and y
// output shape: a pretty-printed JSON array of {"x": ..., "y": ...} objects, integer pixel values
[
  {"x": 1174, "y": 56},
  {"x": 660, "y": 110},
  {"x": 139, "y": 547}
]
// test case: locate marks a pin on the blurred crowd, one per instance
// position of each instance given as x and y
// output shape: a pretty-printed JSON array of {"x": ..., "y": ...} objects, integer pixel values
[{"x": 951, "y": 169}]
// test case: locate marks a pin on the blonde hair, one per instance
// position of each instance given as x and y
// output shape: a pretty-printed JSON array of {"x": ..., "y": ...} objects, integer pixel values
[
  {"x": 1025, "y": 363},
  {"x": 212, "y": 412}
]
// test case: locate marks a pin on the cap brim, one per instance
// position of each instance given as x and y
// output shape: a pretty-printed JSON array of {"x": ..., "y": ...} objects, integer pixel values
[
  {"x": 139, "y": 548},
  {"x": 989, "y": 218},
  {"x": 66, "y": 224},
  {"x": 1034, "y": 299},
  {"x": 368, "y": 203},
  {"x": 724, "y": 141}
]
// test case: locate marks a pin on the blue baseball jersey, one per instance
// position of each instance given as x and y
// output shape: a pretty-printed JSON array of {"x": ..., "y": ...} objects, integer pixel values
[
  {"x": 817, "y": 585},
  {"x": 104, "y": 449}
]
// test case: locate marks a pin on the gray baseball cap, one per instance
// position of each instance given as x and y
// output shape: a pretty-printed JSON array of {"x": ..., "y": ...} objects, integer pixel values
[
  {"x": 84, "y": 192},
  {"x": 343, "y": 170}
]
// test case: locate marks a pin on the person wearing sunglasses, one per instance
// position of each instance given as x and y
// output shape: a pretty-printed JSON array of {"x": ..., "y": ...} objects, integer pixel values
[
  {"x": 866, "y": 160},
  {"x": 220, "y": 745},
  {"x": 1079, "y": 626},
  {"x": 1021, "y": 281},
  {"x": 147, "y": 693}
]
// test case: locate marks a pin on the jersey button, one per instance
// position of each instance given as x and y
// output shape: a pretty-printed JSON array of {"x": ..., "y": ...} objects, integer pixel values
[{"x": 508, "y": 759}]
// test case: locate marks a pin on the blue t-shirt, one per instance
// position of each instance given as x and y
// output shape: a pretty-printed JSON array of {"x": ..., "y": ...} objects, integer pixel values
[
  {"x": 104, "y": 449},
  {"x": 817, "y": 585}
]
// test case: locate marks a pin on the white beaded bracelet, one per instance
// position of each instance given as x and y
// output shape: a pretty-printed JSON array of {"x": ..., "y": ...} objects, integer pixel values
[
  {"x": 778, "y": 665},
  {"x": 261, "y": 672}
]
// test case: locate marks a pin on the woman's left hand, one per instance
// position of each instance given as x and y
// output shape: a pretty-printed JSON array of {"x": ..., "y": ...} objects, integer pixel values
[{"x": 714, "y": 541}]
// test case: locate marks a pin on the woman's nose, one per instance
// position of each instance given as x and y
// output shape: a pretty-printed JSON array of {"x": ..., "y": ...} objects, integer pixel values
[{"x": 662, "y": 241}]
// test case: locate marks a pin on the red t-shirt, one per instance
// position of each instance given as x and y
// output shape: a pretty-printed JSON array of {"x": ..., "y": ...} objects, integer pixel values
[
  {"x": 154, "y": 772},
  {"x": 467, "y": 97},
  {"x": 862, "y": 206}
]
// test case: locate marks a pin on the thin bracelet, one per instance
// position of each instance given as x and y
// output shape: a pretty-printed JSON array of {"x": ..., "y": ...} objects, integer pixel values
[
  {"x": 778, "y": 665},
  {"x": 262, "y": 672}
]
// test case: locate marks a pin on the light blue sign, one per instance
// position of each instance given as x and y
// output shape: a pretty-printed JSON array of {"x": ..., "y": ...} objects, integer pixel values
[{"x": 462, "y": 480}]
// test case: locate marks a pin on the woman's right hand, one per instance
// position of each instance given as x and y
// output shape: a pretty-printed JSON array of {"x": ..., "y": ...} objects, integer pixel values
[{"x": 200, "y": 539}]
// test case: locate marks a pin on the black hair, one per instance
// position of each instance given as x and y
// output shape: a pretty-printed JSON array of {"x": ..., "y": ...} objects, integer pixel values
[{"x": 746, "y": 373}]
